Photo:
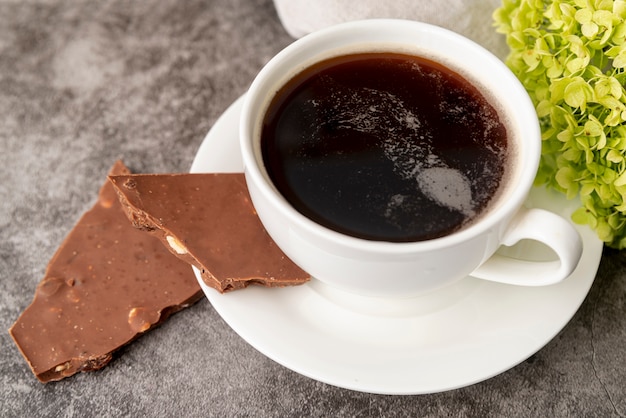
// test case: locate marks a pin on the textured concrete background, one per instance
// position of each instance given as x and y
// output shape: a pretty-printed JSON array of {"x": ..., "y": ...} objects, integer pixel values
[{"x": 84, "y": 83}]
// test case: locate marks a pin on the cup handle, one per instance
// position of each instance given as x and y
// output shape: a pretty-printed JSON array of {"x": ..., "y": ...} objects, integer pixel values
[{"x": 547, "y": 228}]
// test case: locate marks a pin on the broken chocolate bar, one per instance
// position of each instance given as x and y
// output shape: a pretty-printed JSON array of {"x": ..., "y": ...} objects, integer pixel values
[
  {"x": 209, "y": 221},
  {"x": 107, "y": 284}
]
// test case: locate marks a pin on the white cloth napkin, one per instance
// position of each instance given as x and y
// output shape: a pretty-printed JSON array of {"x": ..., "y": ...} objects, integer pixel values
[{"x": 471, "y": 18}]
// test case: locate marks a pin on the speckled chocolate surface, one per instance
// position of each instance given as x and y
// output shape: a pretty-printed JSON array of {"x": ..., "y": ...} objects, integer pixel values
[
  {"x": 208, "y": 221},
  {"x": 84, "y": 83},
  {"x": 107, "y": 284}
]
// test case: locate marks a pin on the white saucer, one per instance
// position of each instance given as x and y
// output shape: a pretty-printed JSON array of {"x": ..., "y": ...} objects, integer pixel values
[{"x": 452, "y": 338}]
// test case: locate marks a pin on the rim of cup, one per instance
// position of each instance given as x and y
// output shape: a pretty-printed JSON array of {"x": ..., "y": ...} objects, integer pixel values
[{"x": 317, "y": 46}]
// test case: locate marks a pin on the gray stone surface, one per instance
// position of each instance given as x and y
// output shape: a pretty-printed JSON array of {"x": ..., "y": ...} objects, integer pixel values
[{"x": 84, "y": 83}]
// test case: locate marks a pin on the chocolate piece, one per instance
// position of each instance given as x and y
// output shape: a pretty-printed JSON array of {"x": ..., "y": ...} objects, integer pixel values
[
  {"x": 106, "y": 284},
  {"x": 208, "y": 220}
]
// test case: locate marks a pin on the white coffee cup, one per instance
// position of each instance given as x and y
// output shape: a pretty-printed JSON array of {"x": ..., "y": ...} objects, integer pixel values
[{"x": 391, "y": 269}]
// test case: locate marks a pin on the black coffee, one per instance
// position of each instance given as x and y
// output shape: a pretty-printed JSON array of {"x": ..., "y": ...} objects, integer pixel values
[{"x": 384, "y": 146}]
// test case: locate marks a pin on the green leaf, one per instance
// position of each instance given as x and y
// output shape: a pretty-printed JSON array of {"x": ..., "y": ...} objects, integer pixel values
[
  {"x": 614, "y": 156},
  {"x": 609, "y": 176},
  {"x": 619, "y": 8},
  {"x": 565, "y": 135},
  {"x": 621, "y": 180},
  {"x": 608, "y": 86},
  {"x": 620, "y": 60},
  {"x": 572, "y": 155},
  {"x": 567, "y": 177},
  {"x": 554, "y": 67},
  {"x": 586, "y": 189},
  {"x": 532, "y": 59},
  {"x": 577, "y": 93},
  {"x": 582, "y": 216},
  {"x": 619, "y": 34},
  {"x": 590, "y": 29},
  {"x": 583, "y": 16},
  {"x": 577, "y": 46},
  {"x": 604, "y": 18},
  {"x": 544, "y": 108},
  {"x": 604, "y": 231},
  {"x": 557, "y": 89},
  {"x": 593, "y": 127},
  {"x": 577, "y": 64}
]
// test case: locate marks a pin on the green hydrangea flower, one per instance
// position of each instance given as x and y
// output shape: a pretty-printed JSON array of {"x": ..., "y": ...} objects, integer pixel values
[{"x": 571, "y": 57}]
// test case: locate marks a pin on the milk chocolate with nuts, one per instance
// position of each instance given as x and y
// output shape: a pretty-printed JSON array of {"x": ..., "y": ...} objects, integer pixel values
[
  {"x": 107, "y": 284},
  {"x": 209, "y": 221}
]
